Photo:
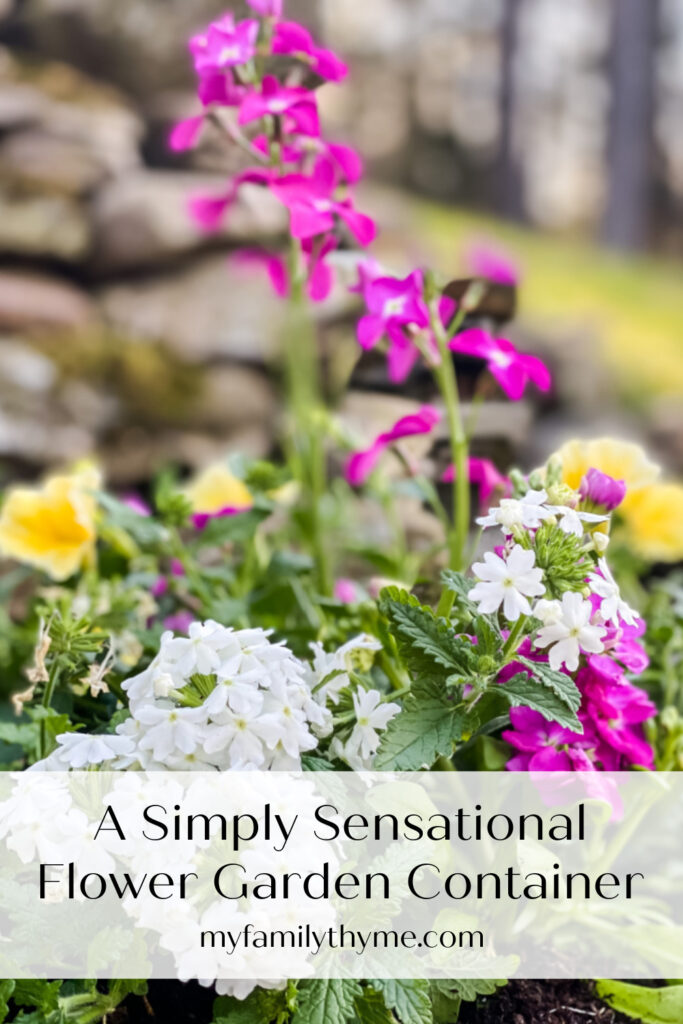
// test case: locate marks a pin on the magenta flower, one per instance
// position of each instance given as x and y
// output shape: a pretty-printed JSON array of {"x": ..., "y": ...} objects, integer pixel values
[
  {"x": 180, "y": 622},
  {"x": 489, "y": 262},
  {"x": 224, "y": 45},
  {"x": 267, "y": 8},
  {"x": 601, "y": 490},
  {"x": 319, "y": 276},
  {"x": 278, "y": 100},
  {"x": 345, "y": 591},
  {"x": 512, "y": 369},
  {"x": 361, "y": 464},
  {"x": 392, "y": 302},
  {"x": 312, "y": 208},
  {"x": 208, "y": 211},
  {"x": 484, "y": 474},
  {"x": 617, "y": 710},
  {"x": 542, "y": 744},
  {"x": 294, "y": 40},
  {"x": 159, "y": 587},
  {"x": 137, "y": 504},
  {"x": 221, "y": 88}
]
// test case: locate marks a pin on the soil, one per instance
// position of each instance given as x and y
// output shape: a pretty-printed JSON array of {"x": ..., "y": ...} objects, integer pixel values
[
  {"x": 519, "y": 1002},
  {"x": 542, "y": 1002}
]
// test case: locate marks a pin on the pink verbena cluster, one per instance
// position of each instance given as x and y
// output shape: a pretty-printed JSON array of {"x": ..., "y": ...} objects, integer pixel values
[{"x": 275, "y": 120}]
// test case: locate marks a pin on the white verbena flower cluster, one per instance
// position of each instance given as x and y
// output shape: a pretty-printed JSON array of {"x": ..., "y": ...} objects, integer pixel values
[
  {"x": 218, "y": 699},
  {"x": 512, "y": 580}
]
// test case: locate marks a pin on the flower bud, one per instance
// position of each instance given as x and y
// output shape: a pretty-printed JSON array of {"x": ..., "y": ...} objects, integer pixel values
[{"x": 601, "y": 490}]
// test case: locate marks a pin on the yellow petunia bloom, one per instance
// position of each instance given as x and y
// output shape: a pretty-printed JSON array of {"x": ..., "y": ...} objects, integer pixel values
[
  {"x": 52, "y": 526},
  {"x": 215, "y": 489},
  {"x": 621, "y": 460},
  {"x": 651, "y": 512},
  {"x": 654, "y": 518}
]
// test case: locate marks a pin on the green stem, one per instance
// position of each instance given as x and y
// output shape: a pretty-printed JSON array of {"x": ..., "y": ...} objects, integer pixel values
[
  {"x": 46, "y": 702},
  {"x": 448, "y": 385},
  {"x": 514, "y": 637}
]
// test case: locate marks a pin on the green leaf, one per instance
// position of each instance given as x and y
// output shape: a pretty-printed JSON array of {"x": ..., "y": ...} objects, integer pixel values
[
  {"x": 6, "y": 990},
  {"x": 468, "y": 988},
  {"x": 560, "y": 683},
  {"x": 43, "y": 995},
  {"x": 461, "y": 586},
  {"x": 327, "y": 1001},
  {"x": 409, "y": 999},
  {"x": 424, "y": 730},
  {"x": 262, "y": 1006},
  {"x": 522, "y": 691},
  {"x": 423, "y": 639},
  {"x": 649, "y": 1005},
  {"x": 371, "y": 1008},
  {"x": 234, "y": 528},
  {"x": 143, "y": 529}
]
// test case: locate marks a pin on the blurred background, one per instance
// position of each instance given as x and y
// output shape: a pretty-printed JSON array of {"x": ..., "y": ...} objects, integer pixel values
[{"x": 553, "y": 131}]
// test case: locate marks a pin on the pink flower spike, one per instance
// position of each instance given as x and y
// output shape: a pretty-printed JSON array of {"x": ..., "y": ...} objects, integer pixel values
[
  {"x": 484, "y": 474},
  {"x": 361, "y": 464},
  {"x": 267, "y": 8},
  {"x": 392, "y": 302},
  {"x": 312, "y": 208},
  {"x": 488, "y": 261},
  {"x": 512, "y": 369},
  {"x": 279, "y": 100},
  {"x": 184, "y": 134}
]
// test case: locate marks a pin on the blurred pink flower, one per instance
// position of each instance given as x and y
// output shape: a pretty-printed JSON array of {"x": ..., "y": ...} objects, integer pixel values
[
  {"x": 137, "y": 504},
  {"x": 200, "y": 519},
  {"x": 278, "y": 100},
  {"x": 361, "y": 464},
  {"x": 484, "y": 474},
  {"x": 159, "y": 587},
  {"x": 267, "y": 8},
  {"x": 312, "y": 208},
  {"x": 319, "y": 277},
  {"x": 345, "y": 591},
  {"x": 208, "y": 210},
  {"x": 224, "y": 44},
  {"x": 180, "y": 622},
  {"x": 220, "y": 87},
  {"x": 392, "y": 302},
  {"x": 185, "y": 133},
  {"x": 511, "y": 368},
  {"x": 294, "y": 40},
  {"x": 488, "y": 261}
]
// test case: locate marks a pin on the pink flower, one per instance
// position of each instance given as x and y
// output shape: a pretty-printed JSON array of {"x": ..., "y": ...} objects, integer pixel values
[
  {"x": 225, "y": 44},
  {"x": 617, "y": 709},
  {"x": 159, "y": 587},
  {"x": 512, "y": 369},
  {"x": 392, "y": 302},
  {"x": 267, "y": 8},
  {"x": 177, "y": 567},
  {"x": 484, "y": 474},
  {"x": 312, "y": 207},
  {"x": 540, "y": 742},
  {"x": 278, "y": 100},
  {"x": 361, "y": 464},
  {"x": 136, "y": 503},
  {"x": 345, "y": 591},
  {"x": 487, "y": 261},
  {"x": 220, "y": 87},
  {"x": 319, "y": 277},
  {"x": 185, "y": 133},
  {"x": 208, "y": 211},
  {"x": 294, "y": 40},
  {"x": 601, "y": 490},
  {"x": 200, "y": 519},
  {"x": 180, "y": 622}
]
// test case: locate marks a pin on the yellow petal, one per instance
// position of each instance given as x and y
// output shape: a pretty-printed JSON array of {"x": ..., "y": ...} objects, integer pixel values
[
  {"x": 621, "y": 460},
  {"x": 216, "y": 488},
  {"x": 654, "y": 521}
]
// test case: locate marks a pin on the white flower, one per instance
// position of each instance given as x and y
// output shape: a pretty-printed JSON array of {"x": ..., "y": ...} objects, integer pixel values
[
  {"x": 508, "y": 582},
  {"x": 336, "y": 665},
  {"x": 571, "y": 520},
  {"x": 77, "y": 749},
  {"x": 371, "y": 715},
  {"x": 528, "y": 512},
  {"x": 613, "y": 607},
  {"x": 571, "y": 633},
  {"x": 171, "y": 729}
]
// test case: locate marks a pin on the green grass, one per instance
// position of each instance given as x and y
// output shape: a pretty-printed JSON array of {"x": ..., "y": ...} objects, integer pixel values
[{"x": 632, "y": 306}]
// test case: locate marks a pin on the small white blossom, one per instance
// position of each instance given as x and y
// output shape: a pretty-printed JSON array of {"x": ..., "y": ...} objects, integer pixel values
[
  {"x": 371, "y": 716},
  {"x": 569, "y": 632},
  {"x": 336, "y": 665},
  {"x": 613, "y": 607},
  {"x": 507, "y": 582},
  {"x": 515, "y": 513},
  {"x": 571, "y": 520},
  {"x": 78, "y": 750}
]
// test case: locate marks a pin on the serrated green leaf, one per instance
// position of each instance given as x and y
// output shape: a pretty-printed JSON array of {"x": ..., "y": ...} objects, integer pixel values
[
  {"x": 468, "y": 988},
  {"x": 649, "y": 1005},
  {"x": 560, "y": 683},
  {"x": 523, "y": 691},
  {"x": 371, "y": 1008},
  {"x": 424, "y": 640},
  {"x": 327, "y": 1001},
  {"x": 423, "y": 731},
  {"x": 43, "y": 995},
  {"x": 6, "y": 990},
  {"x": 408, "y": 998},
  {"x": 461, "y": 586}
]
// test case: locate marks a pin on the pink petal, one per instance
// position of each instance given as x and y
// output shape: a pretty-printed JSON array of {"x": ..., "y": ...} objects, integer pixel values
[
  {"x": 360, "y": 465},
  {"x": 348, "y": 162},
  {"x": 360, "y": 225},
  {"x": 185, "y": 134},
  {"x": 369, "y": 330}
]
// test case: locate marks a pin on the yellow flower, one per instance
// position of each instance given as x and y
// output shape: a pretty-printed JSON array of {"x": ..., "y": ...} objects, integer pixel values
[
  {"x": 621, "y": 460},
  {"x": 651, "y": 512},
  {"x": 215, "y": 489},
  {"x": 52, "y": 526},
  {"x": 654, "y": 518}
]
